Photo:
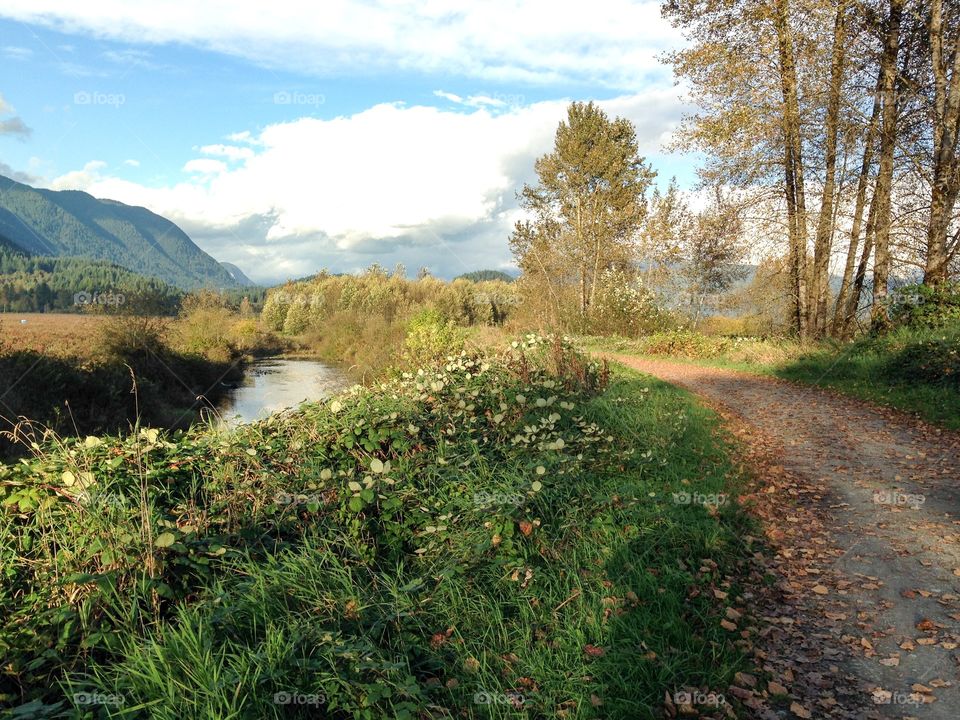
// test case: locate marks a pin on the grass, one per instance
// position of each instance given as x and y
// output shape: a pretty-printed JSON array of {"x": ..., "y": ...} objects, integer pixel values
[
  {"x": 913, "y": 370},
  {"x": 56, "y": 334},
  {"x": 509, "y": 536}
]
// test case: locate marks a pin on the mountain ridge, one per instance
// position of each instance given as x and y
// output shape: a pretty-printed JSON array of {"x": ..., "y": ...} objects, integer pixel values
[{"x": 73, "y": 223}]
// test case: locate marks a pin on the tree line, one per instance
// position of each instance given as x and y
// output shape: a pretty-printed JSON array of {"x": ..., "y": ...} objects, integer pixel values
[
  {"x": 34, "y": 283},
  {"x": 838, "y": 122}
]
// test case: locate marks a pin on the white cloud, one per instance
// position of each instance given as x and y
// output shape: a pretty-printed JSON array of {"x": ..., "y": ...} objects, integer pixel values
[
  {"x": 17, "y": 53},
  {"x": 482, "y": 101},
  {"x": 421, "y": 185},
  {"x": 131, "y": 162},
  {"x": 613, "y": 42},
  {"x": 231, "y": 152},
  {"x": 13, "y": 125},
  {"x": 205, "y": 166}
]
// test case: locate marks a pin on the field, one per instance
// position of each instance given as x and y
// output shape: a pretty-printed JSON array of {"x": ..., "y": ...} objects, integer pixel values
[{"x": 59, "y": 334}]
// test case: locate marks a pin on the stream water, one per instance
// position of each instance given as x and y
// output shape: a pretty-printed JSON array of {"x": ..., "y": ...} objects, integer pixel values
[{"x": 275, "y": 384}]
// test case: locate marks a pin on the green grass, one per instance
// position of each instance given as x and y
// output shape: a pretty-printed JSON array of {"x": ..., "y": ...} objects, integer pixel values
[
  {"x": 498, "y": 537},
  {"x": 914, "y": 370}
]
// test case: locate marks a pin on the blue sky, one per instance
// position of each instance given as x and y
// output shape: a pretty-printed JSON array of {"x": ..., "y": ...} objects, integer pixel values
[{"x": 310, "y": 135}]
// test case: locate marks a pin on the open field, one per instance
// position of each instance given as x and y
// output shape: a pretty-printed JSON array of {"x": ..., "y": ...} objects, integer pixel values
[{"x": 59, "y": 334}]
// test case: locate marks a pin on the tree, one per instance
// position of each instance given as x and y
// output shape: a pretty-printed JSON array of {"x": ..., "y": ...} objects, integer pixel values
[
  {"x": 587, "y": 207},
  {"x": 944, "y": 44},
  {"x": 820, "y": 285},
  {"x": 714, "y": 252},
  {"x": 888, "y": 137}
]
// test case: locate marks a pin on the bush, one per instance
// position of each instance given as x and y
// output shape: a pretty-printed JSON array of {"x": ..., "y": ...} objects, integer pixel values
[
  {"x": 391, "y": 553},
  {"x": 923, "y": 306},
  {"x": 430, "y": 337},
  {"x": 932, "y": 361},
  {"x": 624, "y": 306}
]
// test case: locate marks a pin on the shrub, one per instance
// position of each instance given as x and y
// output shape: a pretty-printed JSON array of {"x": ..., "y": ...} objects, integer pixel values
[
  {"x": 925, "y": 306},
  {"x": 624, "y": 306},
  {"x": 430, "y": 336},
  {"x": 932, "y": 361}
]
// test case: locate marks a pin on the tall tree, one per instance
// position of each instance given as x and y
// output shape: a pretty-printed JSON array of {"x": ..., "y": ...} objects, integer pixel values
[
  {"x": 888, "y": 139},
  {"x": 820, "y": 286},
  {"x": 848, "y": 297},
  {"x": 588, "y": 205},
  {"x": 945, "y": 181},
  {"x": 794, "y": 191}
]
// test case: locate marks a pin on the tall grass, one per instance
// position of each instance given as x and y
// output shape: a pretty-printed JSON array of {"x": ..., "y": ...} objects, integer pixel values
[{"x": 363, "y": 321}]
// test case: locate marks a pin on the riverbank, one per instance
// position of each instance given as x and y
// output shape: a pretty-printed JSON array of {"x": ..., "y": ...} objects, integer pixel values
[
  {"x": 75, "y": 375},
  {"x": 499, "y": 533}
]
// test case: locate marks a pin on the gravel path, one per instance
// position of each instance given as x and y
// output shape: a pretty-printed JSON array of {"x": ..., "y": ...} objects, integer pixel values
[{"x": 860, "y": 508}]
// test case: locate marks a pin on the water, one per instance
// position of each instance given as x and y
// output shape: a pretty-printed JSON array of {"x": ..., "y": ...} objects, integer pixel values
[{"x": 276, "y": 384}]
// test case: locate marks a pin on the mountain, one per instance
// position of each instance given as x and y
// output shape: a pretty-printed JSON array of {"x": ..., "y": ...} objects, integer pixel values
[
  {"x": 237, "y": 275},
  {"x": 36, "y": 283},
  {"x": 76, "y": 224},
  {"x": 8, "y": 246},
  {"x": 481, "y": 275}
]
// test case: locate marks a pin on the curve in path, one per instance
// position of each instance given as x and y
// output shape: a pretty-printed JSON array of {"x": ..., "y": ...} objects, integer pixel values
[{"x": 860, "y": 506}]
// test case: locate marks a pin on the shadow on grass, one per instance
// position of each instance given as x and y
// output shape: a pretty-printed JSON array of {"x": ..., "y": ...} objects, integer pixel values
[
  {"x": 72, "y": 398},
  {"x": 917, "y": 371}
]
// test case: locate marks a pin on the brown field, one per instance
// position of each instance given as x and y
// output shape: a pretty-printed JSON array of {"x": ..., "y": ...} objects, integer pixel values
[{"x": 57, "y": 334}]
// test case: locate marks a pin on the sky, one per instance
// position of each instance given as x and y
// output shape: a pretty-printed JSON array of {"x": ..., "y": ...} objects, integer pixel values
[{"x": 291, "y": 136}]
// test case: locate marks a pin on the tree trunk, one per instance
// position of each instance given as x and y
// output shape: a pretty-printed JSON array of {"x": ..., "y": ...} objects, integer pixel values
[
  {"x": 853, "y": 302},
  {"x": 793, "y": 167},
  {"x": 880, "y": 318},
  {"x": 946, "y": 180},
  {"x": 820, "y": 287},
  {"x": 842, "y": 315}
]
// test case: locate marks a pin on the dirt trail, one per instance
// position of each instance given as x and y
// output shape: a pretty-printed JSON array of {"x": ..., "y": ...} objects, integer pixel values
[{"x": 861, "y": 507}]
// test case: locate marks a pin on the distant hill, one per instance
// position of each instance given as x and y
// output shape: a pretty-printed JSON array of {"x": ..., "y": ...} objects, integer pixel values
[
  {"x": 237, "y": 275},
  {"x": 76, "y": 224},
  {"x": 482, "y": 275},
  {"x": 36, "y": 283},
  {"x": 9, "y": 246}
]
